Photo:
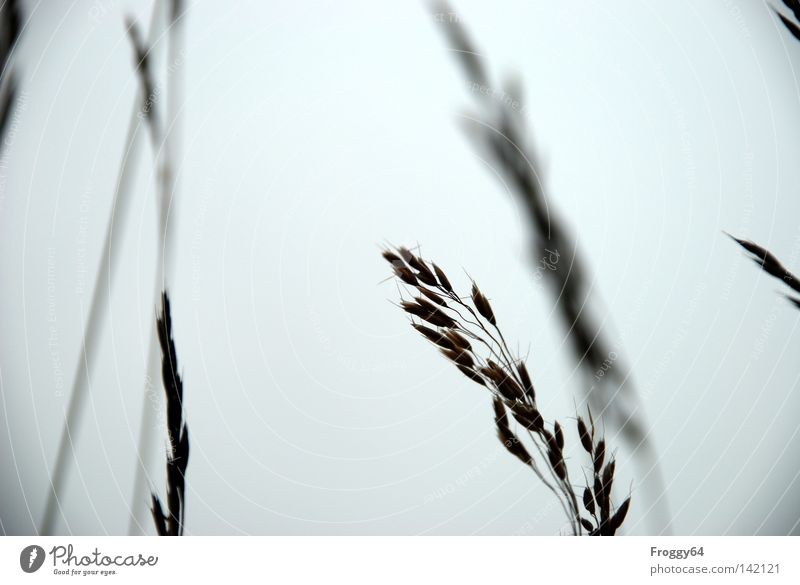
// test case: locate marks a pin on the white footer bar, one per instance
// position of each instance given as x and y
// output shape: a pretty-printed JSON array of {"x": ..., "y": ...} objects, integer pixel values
[{"x": 401, "y": 560}]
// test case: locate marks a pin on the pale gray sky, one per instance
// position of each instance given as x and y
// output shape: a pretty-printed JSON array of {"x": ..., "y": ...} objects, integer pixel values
[{"x": 315, "y": 132}]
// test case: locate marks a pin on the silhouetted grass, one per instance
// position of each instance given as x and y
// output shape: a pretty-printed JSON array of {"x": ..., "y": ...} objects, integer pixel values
[
  {"x": 770, "y": 264},
  {"x": 163, "y": 122},
  {"x": 172, "y": 523},
  {"x": 101, "y": 292},
  {"x": 794, "y": 6},
  {"x": 763, "y": 258},
  {"x": 467, "y": 334}
]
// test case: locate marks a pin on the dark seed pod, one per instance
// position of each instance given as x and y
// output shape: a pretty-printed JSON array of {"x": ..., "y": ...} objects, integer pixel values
[
  {"x": 583, "y": 433},
  {"x": 461, "y": 358},
  {"x": 482, "y": 304},
  {"x": 509, "y": 439},
  {"x": 528, "y": 417},
  {"x": 489, "y": 373},
  {"x": 434, "y": 336},
  {"x": 526, "y": 381},
  {"x": 619, "y": 517},
  {"x": 406, "y": 255},
  {"x": 406, "y": 275},
  {"x": 433, "y": 296},
  {"x": 427, "y": 276},
  {"x": 599, "y": 455},
  {"x": 559, "y": 436},
  {"x": 500, "y": 416},
  {"x": 427, "y": 312},
  {"x": 513, "y": 445},
  {"x": 561, "y": 470},
  {"x": 470, "y": 373},
  {"x": 426, "y": 304},
  {"x": 442, "y": 279},
  {"x": 495, "y": 372},
  {"x": 554, "y": 457},
  {"x": 552, "y": 443},
  {"x": 509, "y": 389},
  {"x": 412, "y": 308},
  {"x": 424, "y": 273},
  {"x": 415, "y": 262},
  {"x": 458, "y": 339},
  {"x": 439, "y": 319},
  {"x": 598, "y": 490},
  {"x": 393, "y": 258},
  {"x": 588, "y": 500},
  {"x": 587, "y": 524},
  {"x": 608, "y": 476}
]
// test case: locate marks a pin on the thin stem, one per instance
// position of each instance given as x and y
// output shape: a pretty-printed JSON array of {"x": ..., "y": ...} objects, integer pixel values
[
  {"x": 98, "y": 309},
  {"x": 165, "y": 150},
  {"x": 562, "y": 497}
]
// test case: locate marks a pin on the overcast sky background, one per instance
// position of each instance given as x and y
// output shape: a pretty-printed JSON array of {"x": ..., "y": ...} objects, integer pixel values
[{"x": 315, "y": 132}]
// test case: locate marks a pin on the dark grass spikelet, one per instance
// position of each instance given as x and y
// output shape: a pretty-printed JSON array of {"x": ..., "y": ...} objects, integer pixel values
[
  {"x": 527, "y": 416},
  {"x": 763, "y": 258},
  {"x": 482, "y": 304},
  {"x": 770, "y": 264},
  {"x": 432, "y": 296},
  {"x": 465, "y": 330},
  {"x": 791, "y": 26},
  {"x": 559, "y": 436},
  {"x": 508, "y": 438},
  {"x": 172, "y": 523},
  {"x": 794, "y": 6},
  {"x": 392, "y": 258},
  {"x": 588, "y": 501},
  {"x": 405, "y": 275},
  {"x": 599, "y": 455},
  {"x": 583, "y": 434},
  {"x": 619, "y": 517},
  {"x": 527, "y": 384},
  {"x": 442, "y": 277},
  {"x": 462, "y": 358},
  {"x": 434, "y": 336},
  {"x": 471, "y": 374},
  {"x": 459, "y": 340}
]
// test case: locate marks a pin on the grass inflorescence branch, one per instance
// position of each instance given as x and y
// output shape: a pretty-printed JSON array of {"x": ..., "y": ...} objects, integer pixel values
[
  {"x": 770, "y": 264},
  {"x": 466, "y": 332},
  {"x": 172, "y": 523}
]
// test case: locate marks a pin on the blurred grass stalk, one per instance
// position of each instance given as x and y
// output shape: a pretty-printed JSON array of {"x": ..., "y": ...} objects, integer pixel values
[
  {"x": 499, "y": 130},
  {"x": 166, "y": 146},
  {"x": 10, "y": 29},
  {"x": 98, "y": 309}
]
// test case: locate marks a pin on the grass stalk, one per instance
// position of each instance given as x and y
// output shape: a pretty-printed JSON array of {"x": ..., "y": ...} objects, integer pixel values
[
  {"x": 98, "y": 307},
  {"x": 165, "y": 147},
  {"x": 172, "y": 523},
  {"x": 498, "y": 129},
  {"x": 10, "y": 29}
]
